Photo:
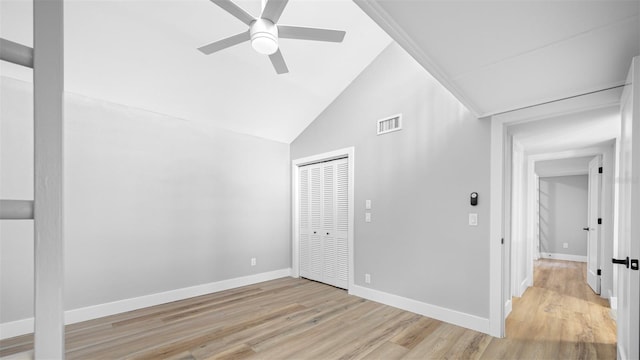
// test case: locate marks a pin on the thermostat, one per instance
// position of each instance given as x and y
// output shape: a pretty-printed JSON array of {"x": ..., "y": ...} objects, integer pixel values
[{"x": 474, "y": 198}]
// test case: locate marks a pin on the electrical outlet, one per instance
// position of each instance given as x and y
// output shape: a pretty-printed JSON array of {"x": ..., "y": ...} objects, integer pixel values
[
  {"x": 367, "y": 204},
  {"x": 367, "y": 278},
  {"x": 367, "y": 217},
  {"x": 565, "y": 245},
  {"x": 253, "y": 261}
]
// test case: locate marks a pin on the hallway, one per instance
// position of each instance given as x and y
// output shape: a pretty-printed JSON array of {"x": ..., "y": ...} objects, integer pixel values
[{"x": 559, "y": 317}]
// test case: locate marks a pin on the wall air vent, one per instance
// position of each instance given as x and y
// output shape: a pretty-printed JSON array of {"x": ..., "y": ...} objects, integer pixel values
[{"x": 390, "y": 124}]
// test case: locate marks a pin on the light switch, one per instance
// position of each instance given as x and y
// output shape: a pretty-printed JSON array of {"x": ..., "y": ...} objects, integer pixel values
[
  {"x": 367, "y": 217},
  {"x": 367, "y": 204},
  {"x": 473, "y": 219}
]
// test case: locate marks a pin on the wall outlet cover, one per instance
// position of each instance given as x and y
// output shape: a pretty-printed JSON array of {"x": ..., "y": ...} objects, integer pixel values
[{"x": 473, "y": 219}]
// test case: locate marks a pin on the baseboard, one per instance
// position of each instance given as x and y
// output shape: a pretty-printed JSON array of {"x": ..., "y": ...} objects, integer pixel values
[
  {"x": 523, "y": 287},
  {"x": 16, "y": 328},
  {"x": 25, "y": 326},
  {"x": 621, "y": 354},
  {"x": 436, "y": 312},
  {"x": 567, "y": 257},
  {"x": 613, "y": 304},
  {"x": 508, "y": 306}
]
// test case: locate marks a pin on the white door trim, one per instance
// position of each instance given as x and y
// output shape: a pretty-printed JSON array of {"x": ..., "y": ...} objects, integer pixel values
[
  {"x": 349, "y": 153},
  {"x": 496, "y": 231}
]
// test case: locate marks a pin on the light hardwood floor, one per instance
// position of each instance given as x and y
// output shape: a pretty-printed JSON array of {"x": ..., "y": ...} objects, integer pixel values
[{"x": 558, "y": 318}]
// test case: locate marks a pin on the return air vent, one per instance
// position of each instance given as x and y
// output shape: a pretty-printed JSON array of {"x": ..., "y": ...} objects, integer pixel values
[{"x": 391, "y": 124}]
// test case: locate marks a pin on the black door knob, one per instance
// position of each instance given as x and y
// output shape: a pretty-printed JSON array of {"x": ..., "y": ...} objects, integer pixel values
[{"x": 624, "y": 262}]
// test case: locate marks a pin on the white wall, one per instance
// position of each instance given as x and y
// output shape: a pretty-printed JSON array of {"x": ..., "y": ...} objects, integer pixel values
[
  {"x": 152, "y": 203},
  {"x": 563, "y": 214},
  {"x": 419, "y": 244}
]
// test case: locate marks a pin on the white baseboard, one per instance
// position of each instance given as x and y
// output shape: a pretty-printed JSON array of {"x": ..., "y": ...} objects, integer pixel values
[
  {"x": 16, "y": 328},
  {"x": 523, "y": 287},
  {"x": 508, "y": 306},
  {"x": 436, "y": 312},
  {"x": 25, "y": 326},
  {"x": 613, "y": 304},
  {"x": 621, "y": 354},
  {"x": 567, "y": 257}
]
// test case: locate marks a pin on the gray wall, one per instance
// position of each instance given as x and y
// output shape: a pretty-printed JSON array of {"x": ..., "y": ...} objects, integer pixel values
[
  {"x": 563, "y": 214},
  {"x": 419, "y": 244},
  {"x": 153, "y": 203}
]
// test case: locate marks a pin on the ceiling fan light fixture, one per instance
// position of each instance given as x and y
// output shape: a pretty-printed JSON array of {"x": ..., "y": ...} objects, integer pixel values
[
  {"x": 264, "y": 33},
  {"x": 264, "y": 37},
  {"x": 264, "y": 44}
]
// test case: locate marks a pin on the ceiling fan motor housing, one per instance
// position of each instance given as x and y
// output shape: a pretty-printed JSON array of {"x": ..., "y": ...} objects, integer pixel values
[{"x": 264, "y": 36}]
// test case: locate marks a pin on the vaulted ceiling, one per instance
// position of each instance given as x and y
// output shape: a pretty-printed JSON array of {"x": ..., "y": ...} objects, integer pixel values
[
  {"x": 494, "y": 56},
  {"x": 143, "y": 54},
  {"x": 497, "y": 56}
]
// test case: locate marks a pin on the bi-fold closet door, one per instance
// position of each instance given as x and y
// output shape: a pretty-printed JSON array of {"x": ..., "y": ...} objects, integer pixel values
[{"x": 324, "y": 222}]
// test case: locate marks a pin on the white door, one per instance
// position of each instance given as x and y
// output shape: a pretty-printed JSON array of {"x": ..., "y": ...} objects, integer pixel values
[
  {"x": 324, "y": 224},
  {"x": 593, "y": 233},
  {"x": 628, "y": 317}
]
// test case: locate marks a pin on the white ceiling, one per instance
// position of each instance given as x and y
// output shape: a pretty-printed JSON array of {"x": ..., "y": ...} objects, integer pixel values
[
  {"x": 497, "y": 56},
  {"x": 568, "y": 132},
  {"x": 143, "y": 54}
]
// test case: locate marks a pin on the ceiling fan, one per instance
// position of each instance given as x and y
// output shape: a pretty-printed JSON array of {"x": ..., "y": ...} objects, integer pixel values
[{"x": 264, "y": 32}]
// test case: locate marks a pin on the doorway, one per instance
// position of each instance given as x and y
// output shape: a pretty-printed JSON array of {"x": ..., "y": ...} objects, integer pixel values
[
  {"x": 322, "y": 217},
  {"x": 563, "y": 217},
  {"x": 560, "y": 312},
  {"x": 566, "y": 129}
]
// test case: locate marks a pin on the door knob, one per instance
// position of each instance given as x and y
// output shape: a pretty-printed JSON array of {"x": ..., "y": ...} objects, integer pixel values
[
  {"x": 585, "y": 229},
  {"x": 624, "y": 262}
]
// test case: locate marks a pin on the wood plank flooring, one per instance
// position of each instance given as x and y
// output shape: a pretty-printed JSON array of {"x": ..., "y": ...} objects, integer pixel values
[{"x": 558, "y": 318}]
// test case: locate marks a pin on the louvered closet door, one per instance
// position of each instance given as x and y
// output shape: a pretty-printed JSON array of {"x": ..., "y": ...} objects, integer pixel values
[
  {"x": 305, "y": 220},
  {"x": 311, "y": 222},
  {"x": 336, "y": 222},
  {"x": 324, "y": 222},
  {"x": 315, "y": 239}
]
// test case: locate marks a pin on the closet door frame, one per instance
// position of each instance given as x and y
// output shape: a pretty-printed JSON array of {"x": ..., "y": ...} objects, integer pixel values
[{"x": 349, "y": 153}]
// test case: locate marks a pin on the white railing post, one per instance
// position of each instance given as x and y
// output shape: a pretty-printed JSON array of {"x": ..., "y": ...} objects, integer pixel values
[{"x": 48, "y": 78}]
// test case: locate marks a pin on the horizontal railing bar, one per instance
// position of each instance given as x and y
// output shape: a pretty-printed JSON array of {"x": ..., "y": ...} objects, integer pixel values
[
  {"x": 16, "y": 53},
  {"x": 16, "y": 209}
]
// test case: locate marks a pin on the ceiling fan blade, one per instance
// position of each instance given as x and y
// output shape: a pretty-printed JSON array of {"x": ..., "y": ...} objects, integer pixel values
[
  {"x": 273, "y": 10},
  {"x": 305, "y": 33},
  {"x": 278, "y": 62},
  {"x": 225, "y": 43},
  {"x": 235, "y": 10}
]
